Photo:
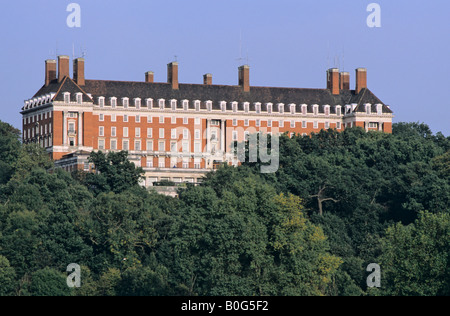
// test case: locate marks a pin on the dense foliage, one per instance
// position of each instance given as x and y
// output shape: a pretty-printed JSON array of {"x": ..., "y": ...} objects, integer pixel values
[{"x": 338, "y": 202}]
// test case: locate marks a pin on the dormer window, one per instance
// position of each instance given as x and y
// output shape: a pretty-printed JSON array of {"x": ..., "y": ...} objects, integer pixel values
[
  {"x": 280, "y": 108},
  {"x": 137, "y": 103},
  {"x": 185, "y": 105},
  {"x": 149, "y": 103},
  {"x": 326, "y": 110},
  {"x": 101, "y": 101},
  {"x": 66, "y": 97},
  {"x": 368, "y": 109},
  {"x": 379, "y": 109},
  {"x": 173, "y": 104},
  {"x": 338, "y": 110},
  {"x": 209, "y": 105},
  {"x": 113, "y": 101},
  {"x": 269, "y": 108},
  {"x": 125, "y": 102},
  {"x": 292, "y": 108},
  {"x": 246, "y": 107},
  {"x": 234, "y": 106},
  {"x": 162, "y": 104},
  {"x": 316, "y": 109},
  {"x": 304, "y": 109},
  {"x": 223, "y": 106},
  {"x": 197, "y": 105},
  {"x": 258, "y": 108}
]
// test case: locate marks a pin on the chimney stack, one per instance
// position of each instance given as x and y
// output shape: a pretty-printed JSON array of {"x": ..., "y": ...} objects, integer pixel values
[
  {"x": 50, "y": 71},
  {"x": 244, "y": 78},
  {"x": 149, "y": 77},
  {"x": 78, "y": 71},
  {"x": 207, "y": 79},
  {"x": 333, "y": 80},
  {"x": 63, "y": 67},
  {"x": 172, "y": 75},
  {"x": 344, "y": 81},
  {"x": 361, "y": 79}
]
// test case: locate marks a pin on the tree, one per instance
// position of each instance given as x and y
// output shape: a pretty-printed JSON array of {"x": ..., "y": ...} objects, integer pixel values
[
  {"x": 48, "y": 282},
  {"x": 7, "y": 278},
  {"x": 114, "y": 172},
  {"x": 416, "y": 258}
]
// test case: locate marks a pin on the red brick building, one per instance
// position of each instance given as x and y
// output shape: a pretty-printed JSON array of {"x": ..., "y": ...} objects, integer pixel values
[{"x": 178, "y": 131}]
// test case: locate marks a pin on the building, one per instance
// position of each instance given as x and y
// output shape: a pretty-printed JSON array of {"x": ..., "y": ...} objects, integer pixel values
[{"x": 179, "y": 132}]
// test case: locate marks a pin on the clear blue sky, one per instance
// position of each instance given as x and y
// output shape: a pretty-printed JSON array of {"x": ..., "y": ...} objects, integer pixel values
[{"x": 290, "y": 43}]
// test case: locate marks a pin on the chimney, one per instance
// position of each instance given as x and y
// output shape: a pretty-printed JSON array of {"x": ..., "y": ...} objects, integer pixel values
[
  {"x": 333, "y": 80},
  {"x": 172, "y": 75},
  {"x": 344, "y": 81},
  {"x": 50, "y": 71},
  {"x": 149, "y": 77},
  {"x": 207, "y": 79},
  {"x": 361, "y": 79},
  {"x": 244, "y": 78},
  {"x": 78, "y": 71},
  {"x": 63, "y": 67}
]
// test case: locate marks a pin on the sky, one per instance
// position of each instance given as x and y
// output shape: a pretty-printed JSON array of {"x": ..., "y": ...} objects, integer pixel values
[{"x": 287, "y": 43}]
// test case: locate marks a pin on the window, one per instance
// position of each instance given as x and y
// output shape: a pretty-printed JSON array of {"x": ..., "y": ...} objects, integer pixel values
[
  {"x": 197, "y": 146},
  {"x": 185, "y": 165},
  {"x": 185, "y": 133},
  {"x": 125, "y": 102},
  {"x": 149, "y": 104},
  {"x": 113, "y": 131},
  {"x": 338, "y": 111},
  {"x": 162, "y": 146},
  {"x": 79, "y": 98},
  {"x": 173, "y": 147},
  {"x": 258, "y": 108},
  {"x": 101, "y": 131},
  {"x": 246, "y": 134},
  {"x": 185, "y": 120},
  {"x": 338, "y": 125},
  {"x": 101, "y": 117},
  {"x": 269, "y": 123},
  {"x": 292, "y": 108},
  {"x": 197, "y": 105},
  {"x": 137, "y": 103},
  {"x": 137, "y": 132},
  {"x": 72, "y": 142},
  {"x": 101, "y": 144},
  {"x": 137, "y": 145},
  {"x": 113, "y": 101},
  {"x": 209, "y": 105},
  {"x": 197, "y": 134},
  {"x": 315, "y": 109},
  {"x": 368, "y": 109},
  {"x": 269, "y": 108},
  {"x": 327, "y": 125},
  {"x": 149, "y": 132},
  {"x": 125, "y": 118},
  {"x": 125, "y": 132},
  {"x": 161, "y": 120},
  {"x": 101, "y": 101},
  {"x": 281, "y": 108},
  {"x": 173, "y": 104},
  {"x": 138, "y": 119},
  {"x": 223, "y": 106},
  {"x": 316, "y": 124},
  {"x": 246, "y": 122},
  {"x": 113, "y": 117},
  {"x": 304, "y": 109},
  {"x": 281, "y": 123},
  {"x": 149, "y": 145},
  {"x": 67, "y": 97},
  {"x": 373, "y": 125},
  {"x": 234, "y": 106},
  {"x": 150, "y": 165},
  {"x": 113, "y": 144},
  {"x": 173, "y": 120},
  {"x": 304, "y": 124},
  {"x": 292, "y": 124},
  {"x": 149, "y": 119},
  {"x": 197, "y": 121},
  {"x": 162, "y": 104},
  {"x": 379, "y": 109},
  {"x": 185, "y": 105},
  {"x": 173, "y": 133},
  {"x": 125, "y": 145},
  {"x": 234, "y": 122},
  {"x": 185, "y": 145},
  {"x": 327, "y": 110},
  {"x": 72, "y": 127},
  {"x": 258, "y": 123},
  {"x": 161, "y": 133},
  {"x": 246, "y": 107}
]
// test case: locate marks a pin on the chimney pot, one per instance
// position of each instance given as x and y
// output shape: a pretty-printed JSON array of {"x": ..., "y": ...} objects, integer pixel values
[
  {"x": 50, "y": 71},
  {"x": 149, "y": 77},
  {"x": 361, "y": 79},
  {"x": 244, "y": 78},
  {"x": 344, "y": 81},
  {"x": 78, "y": 71},
  {"x": 63, "y": 67},
  {"x": 172, "y": 75},
  {"x": 333, "y": 80},
  {"x": 207, "y": 79}
]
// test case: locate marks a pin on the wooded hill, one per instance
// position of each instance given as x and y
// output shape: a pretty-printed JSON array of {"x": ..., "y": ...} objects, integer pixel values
[{"x": 339, "y": 202}]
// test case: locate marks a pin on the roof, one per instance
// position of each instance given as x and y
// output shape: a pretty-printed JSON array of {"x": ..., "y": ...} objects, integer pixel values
[{"x": 215, "y": 93}]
